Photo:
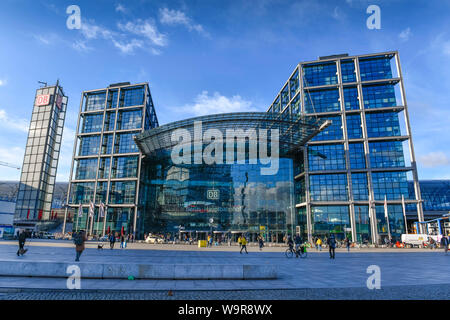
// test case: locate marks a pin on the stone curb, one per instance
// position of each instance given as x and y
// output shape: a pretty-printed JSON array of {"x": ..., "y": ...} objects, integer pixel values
[{"x": 139, "y": 271}]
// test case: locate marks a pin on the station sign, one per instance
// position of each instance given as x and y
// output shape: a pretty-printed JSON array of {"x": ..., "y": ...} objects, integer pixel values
[
  {"x": 42, "y": 100},
  {"x": 213, "y": 194}
]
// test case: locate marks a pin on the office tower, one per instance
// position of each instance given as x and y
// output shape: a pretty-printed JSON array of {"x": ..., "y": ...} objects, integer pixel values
[
  {"x": 37, "y": 181},
  {"x": 106, "y": 161},
  {"x": 365, "y": 156}
]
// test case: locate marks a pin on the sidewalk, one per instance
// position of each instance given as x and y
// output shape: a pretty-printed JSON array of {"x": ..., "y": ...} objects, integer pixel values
[{"x": 316, "y": 271}]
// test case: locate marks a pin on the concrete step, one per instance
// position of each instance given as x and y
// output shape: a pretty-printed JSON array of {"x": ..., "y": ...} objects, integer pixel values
[{"x": 138, "y": 271}]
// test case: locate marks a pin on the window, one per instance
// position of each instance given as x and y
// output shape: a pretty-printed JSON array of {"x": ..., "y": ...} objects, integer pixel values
[
  {"x": 356, "y": 155},
  {"x": 386, "y": 154},
  {"x": 319, "y": 74},
  {"x": 293, "y": 84},
  {"x": 109, "y": 121},
  {"x": 375, "y": 68},
  {"x": 86, "y": 169},
  {"x": 351, "y": 100},
  {"x": 129, "y": 119},
  {"x": 328, "y": 187},
  {"x": 132, "y": 97},
  {"x": 125, "y": 143},
  {"x": 92, "y": 123},
  {"x": 354, "y": 130},
  {"x": 122, "y": 192},
  {"x": 89, "y": 145},
  {"x": 330, "y": 219},
  {"x": 379, "y": 96},
  {"x": 124, "y": 167},
  {"x": 390, "y": 184},
  {"x": 332, "y": 132},
  {"x": 348, "y": 71},
  {"x": 107, "y": 143},
  {"x": 112, "y": 99},
  {"x": 95, "y": 101},
  {"x": 359, "y": 186},
  {"x": 326, "y": 157},
  {"x": 284, "y": 97},
  {"x": 321, "y": 100},
  {"x": 384, "y": 124}
]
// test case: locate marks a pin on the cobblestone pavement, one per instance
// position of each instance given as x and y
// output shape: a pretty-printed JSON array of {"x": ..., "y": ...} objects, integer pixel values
[{"x": 430, "y": 292}]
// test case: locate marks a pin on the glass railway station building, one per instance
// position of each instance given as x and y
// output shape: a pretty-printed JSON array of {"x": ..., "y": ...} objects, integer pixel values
[{"x": 344, "y": 146}]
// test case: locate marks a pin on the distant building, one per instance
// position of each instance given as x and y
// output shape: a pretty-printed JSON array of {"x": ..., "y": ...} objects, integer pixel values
[{"x": 37, "y": 180}]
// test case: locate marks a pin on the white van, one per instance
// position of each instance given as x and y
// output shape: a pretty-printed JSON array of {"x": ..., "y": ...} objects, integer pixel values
[{"x": 417, "y": 239}]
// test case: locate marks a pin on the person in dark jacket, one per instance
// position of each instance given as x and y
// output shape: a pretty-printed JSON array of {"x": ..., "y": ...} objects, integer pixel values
[
  {"x": 298, "y": 242},
  {"x": 331, "y": 241},
  {"x": 444, "y": 243},
  {"x": 22, "y": 238},
  {"x": 79, "y": 244},
  {"x": 112, "y": 240},
  {"x": 261, "y": 242},
  {"x": 347, "y": 244}
]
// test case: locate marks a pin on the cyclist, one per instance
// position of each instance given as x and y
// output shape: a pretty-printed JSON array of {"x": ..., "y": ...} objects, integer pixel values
[{"x": 290, "y": 243}]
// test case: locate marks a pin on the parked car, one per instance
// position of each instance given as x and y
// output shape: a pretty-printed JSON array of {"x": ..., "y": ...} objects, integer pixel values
[
  {"x": 46, "y": 235},
  {"x": 153, "y": 239}
]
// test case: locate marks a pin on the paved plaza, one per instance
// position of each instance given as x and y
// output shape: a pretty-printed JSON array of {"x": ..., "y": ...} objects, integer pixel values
[{"x": 316, "y": 276}]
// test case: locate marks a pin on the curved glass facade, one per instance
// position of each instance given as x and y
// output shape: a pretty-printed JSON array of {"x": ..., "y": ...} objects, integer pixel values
[
  {"x": 223, "y": 197},
  {"x": 235, "y": 196}
]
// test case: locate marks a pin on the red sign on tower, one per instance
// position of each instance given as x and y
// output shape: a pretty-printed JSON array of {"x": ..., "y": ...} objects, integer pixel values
[{"x": 42, "y": 100}]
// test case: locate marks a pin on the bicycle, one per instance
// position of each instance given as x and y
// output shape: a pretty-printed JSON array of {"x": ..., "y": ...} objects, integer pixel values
[{"x": 301, "y": 252}]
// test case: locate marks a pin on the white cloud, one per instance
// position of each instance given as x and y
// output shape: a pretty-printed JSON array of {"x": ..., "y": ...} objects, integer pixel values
[
  {"x": 81, "y": 46},
  {"x": 434, "y": 159},
  {"x": 48, "y": 39},
  {"x": 405, "y": 34},
  {"x": 175, "y": 17},
  {"x": 338, "y": 14},
  {"x": 12, "y": 123},
  {"x": 3, "y": 82},
  {"x": 205, "y": 104},
  {"x": 129, "y": 47},
  {"x": 93, "y": 31},
  {"x": 121, "y": 8},
  {"x": 146, "y": 29}
]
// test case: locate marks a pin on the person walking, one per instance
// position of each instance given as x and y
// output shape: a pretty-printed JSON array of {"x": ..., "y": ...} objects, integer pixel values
[
  {"x": 319, "y": 244},
  {"x": 444, "y": 243},
  {"x": 260, "y": 242},
  {"x": 243, "y": 244},
  {"x": 112, "y": 240},
  {"x": 79, "y": 240},
  {"x": 22, "y": 238},
  {"x": 122, "y": 241},
  {"x": 331, "y": 245},
  {"x": 347, "y": 244}
]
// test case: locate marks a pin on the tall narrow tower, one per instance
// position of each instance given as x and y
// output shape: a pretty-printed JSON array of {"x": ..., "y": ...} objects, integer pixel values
[{"x": 37, "y": 181}]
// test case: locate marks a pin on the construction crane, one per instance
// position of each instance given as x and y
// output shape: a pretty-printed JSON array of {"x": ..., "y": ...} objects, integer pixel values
[{"x": 6, "y": 164}]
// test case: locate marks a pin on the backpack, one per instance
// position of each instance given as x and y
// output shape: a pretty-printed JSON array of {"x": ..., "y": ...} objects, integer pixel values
[
  {"x": 78, "y": 240},
  {"x": 333, "y": 243}
]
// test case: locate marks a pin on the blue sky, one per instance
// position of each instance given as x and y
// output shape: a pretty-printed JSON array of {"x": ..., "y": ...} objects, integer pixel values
[{"x": 203, "y": 57}]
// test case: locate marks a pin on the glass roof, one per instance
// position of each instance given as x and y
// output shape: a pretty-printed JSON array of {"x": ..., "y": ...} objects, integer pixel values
[{"x": 294, "y": 131}]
